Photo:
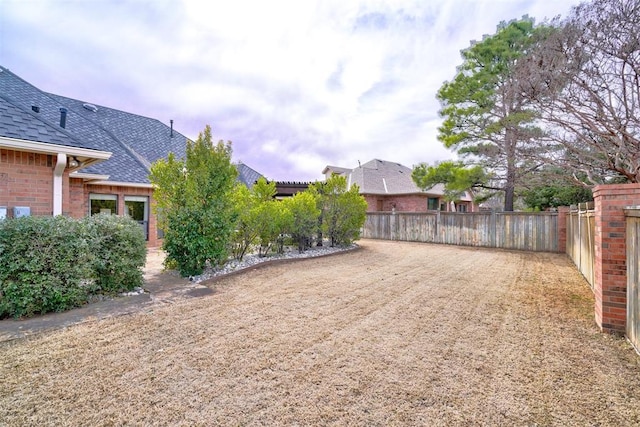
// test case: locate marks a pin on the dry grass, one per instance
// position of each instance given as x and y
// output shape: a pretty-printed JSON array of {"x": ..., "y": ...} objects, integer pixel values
[{"x": 393, "y": 334}]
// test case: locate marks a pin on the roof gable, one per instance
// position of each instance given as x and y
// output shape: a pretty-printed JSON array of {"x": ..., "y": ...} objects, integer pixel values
[{"x": 382, "y": 177}]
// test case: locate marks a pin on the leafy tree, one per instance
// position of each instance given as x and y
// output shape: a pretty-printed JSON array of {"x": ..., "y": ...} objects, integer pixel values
[
  {"x": 345, "y": 211},
  {"x": 244, "y": 234},
  {"x": 583, "y": 79},
  {"x": 193, "y": 197},
  {"x": 318, "y": 190},
  {"x": 456, "y": 177},
  {"x": 485, "y": 118},
  {"x": 302, "y": 215},
  {"x": 259, "y": 218},
  {"x": 549, "y": 196},
  {"x": 265, "y": 214}
]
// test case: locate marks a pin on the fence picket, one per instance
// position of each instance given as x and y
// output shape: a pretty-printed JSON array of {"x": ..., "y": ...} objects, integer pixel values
[{"x": 532, "y": 231}]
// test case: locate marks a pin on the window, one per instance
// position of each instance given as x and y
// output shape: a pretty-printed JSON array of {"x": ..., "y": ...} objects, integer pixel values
[
  {"x": 103, "y": 203},
  {"x": 137, "y": 207},
  {"x": 462, "y": 208},
  {"x": 432, "y": 203}
]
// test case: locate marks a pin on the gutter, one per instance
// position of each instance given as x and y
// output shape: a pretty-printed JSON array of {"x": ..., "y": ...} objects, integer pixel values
[{"x": 58, "y": 171}]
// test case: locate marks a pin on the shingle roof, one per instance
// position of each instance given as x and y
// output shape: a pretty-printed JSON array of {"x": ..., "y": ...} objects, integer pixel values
[
  {"x": 246, "y": 175},
  {"x": 134, "y": 140},
  {"x": 19, "y": 124},
  {"x": 384, "y": 178}
]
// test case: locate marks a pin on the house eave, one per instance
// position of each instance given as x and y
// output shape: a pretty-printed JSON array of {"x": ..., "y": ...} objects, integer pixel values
[
  {"x": 45, "y": 148},
  {"x": 122, "y": 184},
  {"x": 88, "y": 177}
]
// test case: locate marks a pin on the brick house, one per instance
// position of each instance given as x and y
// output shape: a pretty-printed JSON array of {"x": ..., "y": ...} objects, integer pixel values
[
  {"x": 63, "y": 156},
  {"x": 388, "y": 186}
]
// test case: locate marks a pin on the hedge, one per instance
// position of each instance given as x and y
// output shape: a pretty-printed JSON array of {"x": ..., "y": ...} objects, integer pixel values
[{"x": 57, "y": 263}]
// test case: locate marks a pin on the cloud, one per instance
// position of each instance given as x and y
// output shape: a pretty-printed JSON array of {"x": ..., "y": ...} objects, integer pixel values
[{"x": 296, "y": 85}]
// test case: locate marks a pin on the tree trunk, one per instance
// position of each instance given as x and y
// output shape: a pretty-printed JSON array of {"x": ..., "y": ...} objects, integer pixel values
[{"x": 510, "y": 184}]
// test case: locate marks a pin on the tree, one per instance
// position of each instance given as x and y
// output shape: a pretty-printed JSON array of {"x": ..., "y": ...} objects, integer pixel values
[
  {"x": 266, "y": 214},
  {"x": 553, "y": 195},
  {"x": 193, "y": 201},
  {"x": 485, "y": 118},
  {"x": 345, "y": 211},
  {"x": 302, "y": 215},
  {"x": 244, "y": 234},
  {"x": 583, "y": 79},
  {"x": 259, "y": 218},
  {"x": 456, "y": 177}
]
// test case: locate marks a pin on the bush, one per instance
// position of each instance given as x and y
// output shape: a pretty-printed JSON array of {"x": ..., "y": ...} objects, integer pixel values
[
  {"x": 194, "y": 199},
  {"x": 120, "y": 252},
  {"x": 55, "y": 263},
  {"x": 44, "y": 262},
  {"x": 302, "y": 218}
]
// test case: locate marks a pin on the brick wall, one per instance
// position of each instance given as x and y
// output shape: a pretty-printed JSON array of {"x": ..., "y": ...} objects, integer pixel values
[
  {"x": 76, "y": 205},
  {"x": 26, "y": 179},
  {"x": 610, "y": 269},
  {"x": 408, "y": 203},
  {"x": 121, "y": 192}
]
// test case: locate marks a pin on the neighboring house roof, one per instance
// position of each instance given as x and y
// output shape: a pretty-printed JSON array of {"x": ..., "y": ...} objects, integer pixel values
[
  {"x": 134, "y": 141},
  {"x": 290, "y": 188},
  {"x": 246, "y": 175},
  {"x": 381, "y": 177}
]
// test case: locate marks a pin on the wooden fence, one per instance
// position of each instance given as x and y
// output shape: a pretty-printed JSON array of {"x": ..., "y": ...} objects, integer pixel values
[
  {"x": 633, "y": 276},
  {"x": 530, "y": 231},
  {"x": 581, "y": 228}
]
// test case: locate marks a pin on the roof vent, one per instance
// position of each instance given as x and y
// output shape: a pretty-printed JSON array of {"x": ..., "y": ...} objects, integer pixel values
[
  {"x": 35, "y": 108},
  {"x": 90, "y": 107},
  {"x": 63, "y": 117}
]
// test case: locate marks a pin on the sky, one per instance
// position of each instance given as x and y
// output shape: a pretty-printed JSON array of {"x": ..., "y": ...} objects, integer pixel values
[{"x": 295, "y": 85}]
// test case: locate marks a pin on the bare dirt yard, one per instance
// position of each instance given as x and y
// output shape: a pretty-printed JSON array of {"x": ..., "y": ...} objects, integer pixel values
[{"x": 390, "y": 334}]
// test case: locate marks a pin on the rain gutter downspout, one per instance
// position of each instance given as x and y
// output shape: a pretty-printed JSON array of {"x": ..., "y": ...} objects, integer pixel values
[{"x": 58, "y": 171}]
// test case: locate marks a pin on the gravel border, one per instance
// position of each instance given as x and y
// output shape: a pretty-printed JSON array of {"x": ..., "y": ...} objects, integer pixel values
[{"x": 253, "y": 260}]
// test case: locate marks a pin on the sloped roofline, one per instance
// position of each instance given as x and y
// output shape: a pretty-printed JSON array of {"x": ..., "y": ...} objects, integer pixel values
[{"x": 92, "y": 156}]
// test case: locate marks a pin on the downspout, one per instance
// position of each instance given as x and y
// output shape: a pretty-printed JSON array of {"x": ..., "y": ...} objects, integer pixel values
[{"x": 58, "y": 171}]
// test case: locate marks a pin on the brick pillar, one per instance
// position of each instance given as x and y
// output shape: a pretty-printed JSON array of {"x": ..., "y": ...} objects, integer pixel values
[
  {"x": 563, "y": 211},
  {"x": 610, "y": 268}
]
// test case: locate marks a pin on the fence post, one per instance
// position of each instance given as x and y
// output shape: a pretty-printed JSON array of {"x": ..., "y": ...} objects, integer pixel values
[
  {"x": 494, "y": 228},
  {"x": 393, "y": 226},
  {"x": 610, "y": 269},
  {"x": 562, "y": 228}
]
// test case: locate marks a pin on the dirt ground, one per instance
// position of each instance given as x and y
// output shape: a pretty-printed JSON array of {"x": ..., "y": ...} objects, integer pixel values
[{"x": 391, "y": 334}]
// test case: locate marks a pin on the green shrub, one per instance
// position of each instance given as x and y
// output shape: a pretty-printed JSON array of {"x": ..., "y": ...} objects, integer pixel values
[
  {"x": 55, "y": 263},
  {"x": 185, "y": 242},
  {"x": 343, "y": 209},
  {"x": 194, "y": 197},
  {"x": 302, "y": 218},
  {"x": 44, "y": 264},
  {"x": 120, "y": 252}
]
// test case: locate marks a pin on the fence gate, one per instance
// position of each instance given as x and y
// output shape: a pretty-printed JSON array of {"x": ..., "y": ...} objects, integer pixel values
[{"x": 633, "y": 279}]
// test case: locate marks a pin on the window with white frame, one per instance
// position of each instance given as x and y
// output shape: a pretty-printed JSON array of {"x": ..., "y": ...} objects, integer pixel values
[
  {"x": 137, "y": 208},
  {"x": 103, "y": 203}
]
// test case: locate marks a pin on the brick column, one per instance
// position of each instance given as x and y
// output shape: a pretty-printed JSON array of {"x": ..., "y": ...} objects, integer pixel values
[
  {"x": 610, "y": 268},
  {"x": 563, "y": 211}
]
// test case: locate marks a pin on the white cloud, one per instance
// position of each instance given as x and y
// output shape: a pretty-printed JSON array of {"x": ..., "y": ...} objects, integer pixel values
[{"x": 295, "y": 85}]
